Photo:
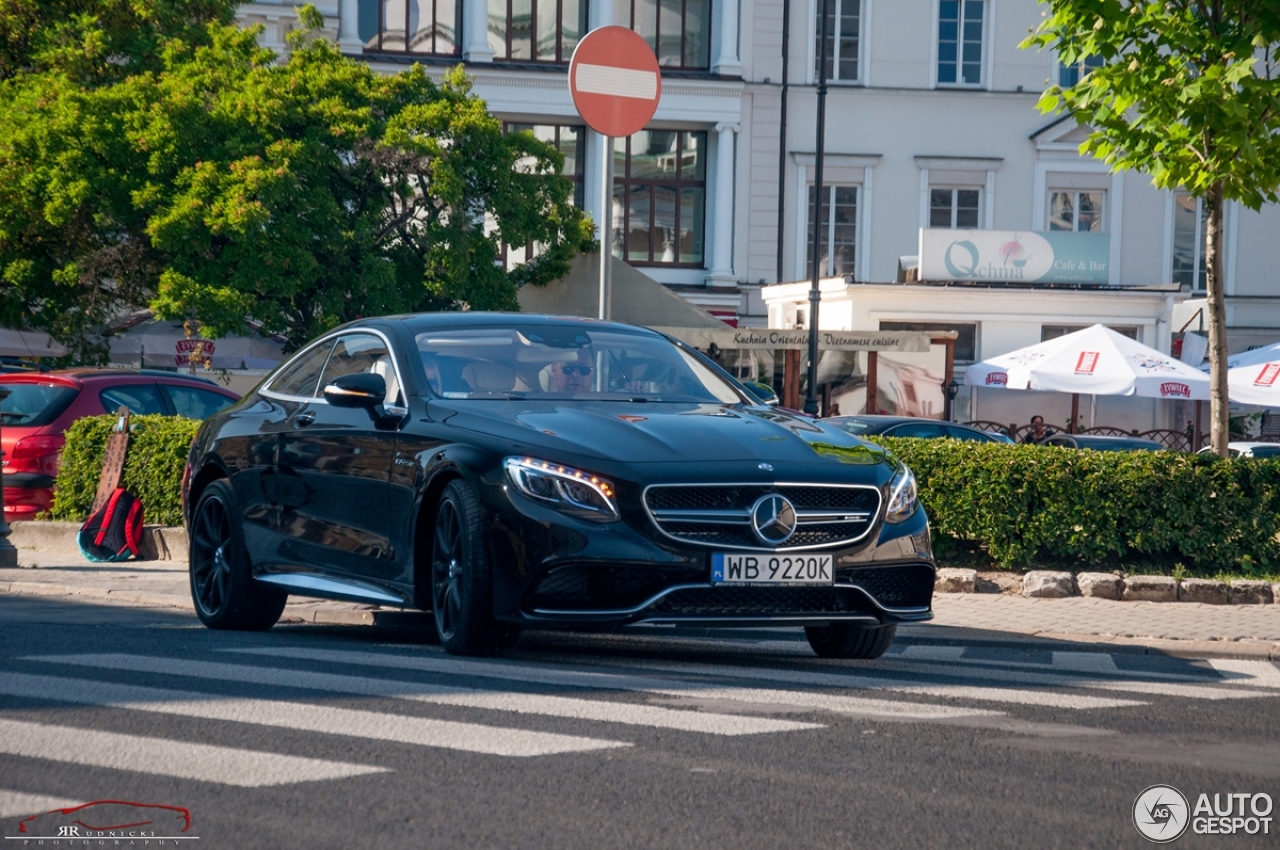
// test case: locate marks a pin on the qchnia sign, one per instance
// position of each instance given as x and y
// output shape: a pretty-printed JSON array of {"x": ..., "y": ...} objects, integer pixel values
[
  {"x": 769, "y": 338},
  {"x": 1014, "y": 256}
]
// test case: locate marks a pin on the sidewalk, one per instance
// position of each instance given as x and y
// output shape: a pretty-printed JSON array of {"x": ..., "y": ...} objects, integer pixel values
[{"x": 1177, "y": 628}]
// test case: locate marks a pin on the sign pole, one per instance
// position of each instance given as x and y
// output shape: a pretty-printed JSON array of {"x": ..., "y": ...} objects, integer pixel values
[
  {"x": 815, "y": 292},
  {"x": 606, "y": 231}
]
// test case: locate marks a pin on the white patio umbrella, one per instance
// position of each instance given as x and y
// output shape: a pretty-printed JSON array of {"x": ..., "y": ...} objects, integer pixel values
[
  {"x": 1094, "y": 361},
  {"x": 1253, "y": 377}
]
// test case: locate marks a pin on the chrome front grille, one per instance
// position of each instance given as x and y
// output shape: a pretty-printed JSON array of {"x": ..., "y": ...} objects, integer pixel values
[{"x": 719, "y": 515}]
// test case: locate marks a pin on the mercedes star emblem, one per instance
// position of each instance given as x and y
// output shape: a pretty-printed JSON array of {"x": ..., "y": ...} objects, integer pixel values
[{"x": 773, "y": 519}]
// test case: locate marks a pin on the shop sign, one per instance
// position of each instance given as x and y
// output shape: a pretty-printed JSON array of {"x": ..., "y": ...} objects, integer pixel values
[
  {"x": 771, "y": 338},
  {"x": 1014, "y": 256}
]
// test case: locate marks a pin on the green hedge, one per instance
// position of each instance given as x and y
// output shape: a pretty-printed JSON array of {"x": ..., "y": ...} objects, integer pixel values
[
  {"x": 1025, "y": 504},
  {"x": 152, "y": 470}
]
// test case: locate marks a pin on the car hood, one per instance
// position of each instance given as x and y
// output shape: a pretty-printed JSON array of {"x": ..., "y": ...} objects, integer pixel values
[{"x": 666, "y": 433}]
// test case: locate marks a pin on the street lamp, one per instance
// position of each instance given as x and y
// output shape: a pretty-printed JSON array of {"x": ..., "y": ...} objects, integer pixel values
[
  {"x": 8, "y": 553},
  {"x": 811, "y": 398},
  {"x": 952, "y": 389}
]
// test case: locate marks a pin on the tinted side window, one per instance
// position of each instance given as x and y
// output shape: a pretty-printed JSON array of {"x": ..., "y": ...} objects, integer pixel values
[
  {"x": 915, "y": 429},
  {"x": 194, "y": 403},
  {"x": 140, "y": 398},
  {"x": 301, "y": 377}
]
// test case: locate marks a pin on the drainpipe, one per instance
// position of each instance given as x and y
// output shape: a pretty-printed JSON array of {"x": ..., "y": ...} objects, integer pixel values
[{"x": 782, "y": 132}]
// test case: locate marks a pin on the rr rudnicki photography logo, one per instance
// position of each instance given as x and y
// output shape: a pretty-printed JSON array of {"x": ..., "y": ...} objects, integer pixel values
[{"x": 120, "y": 823}]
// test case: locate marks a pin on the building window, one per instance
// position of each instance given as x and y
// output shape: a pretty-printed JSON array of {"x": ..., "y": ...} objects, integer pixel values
[
  {"x": 427, "y": 27},
  {"x": 1069, "y": 75},
  {"x": 679, "y": 31},
  {"x": 1048, "y": 332},
  {"x": 843, "y": 29},
  {"x": 1189, "y": 229},
  {"x": 570, "y": 140},
  {"x": 952, "y": 208},
  {"x": 966, "y": 350},
  {"x": 960, "y": 28},
  {"x": 536, "y": 30},
  {"x": 1077, "y": 211},
  {"x": 659, "y": 198},
  {"x": 839, "y": 231}
]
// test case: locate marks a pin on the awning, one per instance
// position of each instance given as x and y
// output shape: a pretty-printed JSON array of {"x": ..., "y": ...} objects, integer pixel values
[{"x": 29, "y": 344}]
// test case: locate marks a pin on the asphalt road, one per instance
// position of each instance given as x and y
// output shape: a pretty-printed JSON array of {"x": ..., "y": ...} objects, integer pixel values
[{"x": 346, "y": 737}]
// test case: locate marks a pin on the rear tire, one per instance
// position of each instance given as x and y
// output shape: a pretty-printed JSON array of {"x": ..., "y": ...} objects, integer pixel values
[
  {"x": 223, "y": 589},
  {"x": 847, "y": 640},
  {"x": 462, "y": 580}
]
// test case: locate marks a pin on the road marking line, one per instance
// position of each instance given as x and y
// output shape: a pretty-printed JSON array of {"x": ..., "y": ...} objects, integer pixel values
[
  {"x": 931, "y": 653},
  {"x": 612, "y": 681},
  {"x": 1241, "y": 671},
  {"x": 1085, "y": 662},
  {"x": 1169, "y": 689},
  {"x": 20, "y": 804},
  {"x": 858, "y": 706},
  {"x": 522, "y": 703},
  {"x": 444, "y": 734},
  {"x": 183, "y": 759}
]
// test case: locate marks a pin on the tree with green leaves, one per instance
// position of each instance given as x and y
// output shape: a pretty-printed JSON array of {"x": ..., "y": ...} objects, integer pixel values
[
  {"x": 223, "y": 185},
  {"x": 1187, "y": 92}
]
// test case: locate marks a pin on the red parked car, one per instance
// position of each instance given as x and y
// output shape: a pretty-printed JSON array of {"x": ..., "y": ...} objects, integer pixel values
[{"x": 42, "y": 405}]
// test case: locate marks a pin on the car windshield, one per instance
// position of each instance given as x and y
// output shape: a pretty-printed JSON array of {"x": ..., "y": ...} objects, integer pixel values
[
  {"x": 564, "y": 362},
  {"x": 32, "y": 405}
]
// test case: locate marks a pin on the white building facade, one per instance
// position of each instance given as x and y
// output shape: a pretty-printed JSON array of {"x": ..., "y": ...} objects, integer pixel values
[{"x": 931, "y": 123}]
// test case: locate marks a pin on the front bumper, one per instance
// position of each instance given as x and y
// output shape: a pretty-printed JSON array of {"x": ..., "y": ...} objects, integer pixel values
[{"x": 553, "y": 570}]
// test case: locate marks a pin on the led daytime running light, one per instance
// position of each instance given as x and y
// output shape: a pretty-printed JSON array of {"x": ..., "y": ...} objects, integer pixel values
[
  {"x": 554, "y": 484},
  {"x": 903, "y": 497}
]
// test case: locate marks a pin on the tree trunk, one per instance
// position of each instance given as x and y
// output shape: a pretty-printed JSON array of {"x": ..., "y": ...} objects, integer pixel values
[{"x": 1219, "y": 433}]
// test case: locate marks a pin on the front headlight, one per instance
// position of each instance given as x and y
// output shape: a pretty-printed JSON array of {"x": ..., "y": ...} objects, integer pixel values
[
  {"x": 571, "y": 491},
  {"x": 902, "y": 496}
]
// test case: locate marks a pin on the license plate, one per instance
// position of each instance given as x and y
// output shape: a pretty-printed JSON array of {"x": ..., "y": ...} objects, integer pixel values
[{"x": 770, "y": 569}]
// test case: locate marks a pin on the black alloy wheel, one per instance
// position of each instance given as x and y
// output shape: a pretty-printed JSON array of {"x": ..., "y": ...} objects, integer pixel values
[
  {"x": 461, "y": 579},
  {"x": 848, "y": 640},
  {"x": 222, "y": 584}
]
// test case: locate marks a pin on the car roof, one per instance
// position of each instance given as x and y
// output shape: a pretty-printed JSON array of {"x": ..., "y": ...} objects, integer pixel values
[
  {"x": 473, "y": 319},
  {"x": 81, "y": 376}
]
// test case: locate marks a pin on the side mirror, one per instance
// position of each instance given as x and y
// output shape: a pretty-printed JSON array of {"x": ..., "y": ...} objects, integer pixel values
[
  {"x": 361, "y": 389},
  {"x": 764, "y": 391}
]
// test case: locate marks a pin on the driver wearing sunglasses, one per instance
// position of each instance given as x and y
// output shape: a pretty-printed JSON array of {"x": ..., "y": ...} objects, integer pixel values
[{"x": 571, "y": 376}]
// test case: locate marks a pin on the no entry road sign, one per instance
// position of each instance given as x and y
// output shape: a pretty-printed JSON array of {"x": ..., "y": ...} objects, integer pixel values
[{"x": 614, "y": 80}]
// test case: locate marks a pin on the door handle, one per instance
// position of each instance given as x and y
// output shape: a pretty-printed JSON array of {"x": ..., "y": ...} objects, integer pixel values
[{"x": 302, "y": 420}]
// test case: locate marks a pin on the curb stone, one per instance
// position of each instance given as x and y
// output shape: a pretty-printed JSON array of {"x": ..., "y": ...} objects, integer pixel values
[{"x": 1048, "y": 584}]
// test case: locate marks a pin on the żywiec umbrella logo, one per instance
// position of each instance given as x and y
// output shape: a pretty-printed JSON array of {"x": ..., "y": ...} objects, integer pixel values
[
  {"x": 1086, "y": 363},
  {"x": 1000, "y": 378},
  {"x": 1172, "y": 388},
  {"x": 1267, "y": 377}
]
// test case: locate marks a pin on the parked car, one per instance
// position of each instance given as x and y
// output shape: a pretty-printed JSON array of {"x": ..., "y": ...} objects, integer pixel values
[
  {"x": 42, "y": 405},
  {"x": 1244, "y": 449},
  {"x": 506, "y": 470},
  {"x": 911, "y": 426},
  {"x": 1100, "y": 443}
]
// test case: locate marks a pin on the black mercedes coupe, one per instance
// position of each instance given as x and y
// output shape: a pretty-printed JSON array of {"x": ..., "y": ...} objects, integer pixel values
[{"x": 505, "y": 471}]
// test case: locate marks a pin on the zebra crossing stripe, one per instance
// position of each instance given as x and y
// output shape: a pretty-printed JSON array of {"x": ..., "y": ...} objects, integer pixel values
[
  {"x": 17, "y": 803},
  {"x": 159, "y": 756},
  {"x": 522, "y": 703},
  {"x": 664, "y": 686},
  {"x": 1242, "y": 671},
  {"x": 327, "y": 720}
]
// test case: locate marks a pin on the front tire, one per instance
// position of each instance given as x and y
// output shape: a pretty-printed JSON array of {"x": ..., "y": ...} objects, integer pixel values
[
  {"x": 848, "y": 640},
  {"x": 461, "y": 578},
  {"x": 223, "y": 589}
]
